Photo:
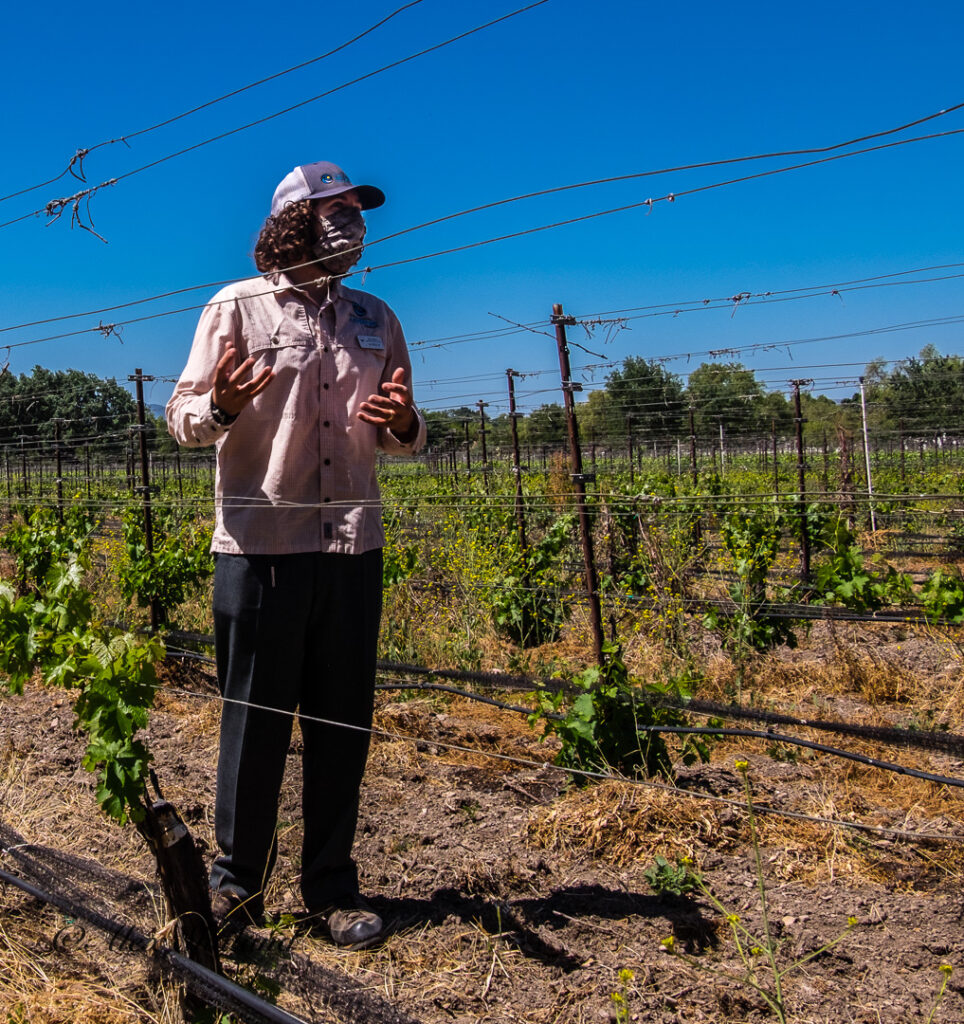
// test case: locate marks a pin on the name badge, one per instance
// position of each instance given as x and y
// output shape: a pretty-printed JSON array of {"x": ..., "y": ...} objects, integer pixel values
[{"x": 371, "y": 341}]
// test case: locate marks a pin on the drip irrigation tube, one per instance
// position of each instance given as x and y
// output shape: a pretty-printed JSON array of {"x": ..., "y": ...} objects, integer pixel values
[
  {"x": 212, "y": 988},
  {"x": 944, "y": 742}
]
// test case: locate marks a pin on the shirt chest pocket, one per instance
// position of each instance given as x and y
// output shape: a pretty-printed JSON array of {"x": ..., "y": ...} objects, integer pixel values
[
  {"x": 289, "y": 344},
  {"x": 360, "y": 362}
]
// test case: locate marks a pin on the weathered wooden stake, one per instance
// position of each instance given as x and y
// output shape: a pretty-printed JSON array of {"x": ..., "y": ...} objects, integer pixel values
[{"x": 579, "y": 479}]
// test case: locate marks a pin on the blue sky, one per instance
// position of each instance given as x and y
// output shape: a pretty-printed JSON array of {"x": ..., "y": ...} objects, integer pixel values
[{"x": 564, "y": 93}]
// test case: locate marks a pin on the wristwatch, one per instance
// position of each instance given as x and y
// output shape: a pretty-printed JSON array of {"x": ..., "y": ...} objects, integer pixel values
[{"x": 222, "y": 418}]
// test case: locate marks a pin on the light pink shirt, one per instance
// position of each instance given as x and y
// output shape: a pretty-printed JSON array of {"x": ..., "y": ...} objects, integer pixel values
[{"x": 296, "y": 470}]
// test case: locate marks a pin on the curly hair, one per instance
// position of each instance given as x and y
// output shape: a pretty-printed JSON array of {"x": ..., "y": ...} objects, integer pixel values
[{"x": 286, "y": 239}]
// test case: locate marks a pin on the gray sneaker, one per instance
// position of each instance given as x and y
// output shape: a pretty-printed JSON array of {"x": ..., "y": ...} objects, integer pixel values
[{"x": 352, "y": 923}]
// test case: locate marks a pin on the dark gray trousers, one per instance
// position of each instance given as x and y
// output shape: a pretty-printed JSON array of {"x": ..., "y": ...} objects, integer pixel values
[{"x": 293, "y": 631}]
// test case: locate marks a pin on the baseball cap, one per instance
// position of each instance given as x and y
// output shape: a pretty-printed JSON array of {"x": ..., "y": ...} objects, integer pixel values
[{"x": 319, "y": 181}]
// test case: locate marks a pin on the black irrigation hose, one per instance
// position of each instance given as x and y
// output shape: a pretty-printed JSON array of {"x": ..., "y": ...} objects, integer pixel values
[
  {"x": 441, "y": 688},
  {"x": 944, "y": 742},
  {"x": 212, "y": 988},
  {"x": 496, "y": 679},
  {"x": 947, "y": 743},
  {"x": 709, "y": 731},
  {"x": 705, "y": 730},
  {"x": 776, "y": 737}
]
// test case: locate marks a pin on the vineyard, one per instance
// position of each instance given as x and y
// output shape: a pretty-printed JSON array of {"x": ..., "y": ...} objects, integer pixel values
[
  {"x": 669, "y": 713},
  {"x": 665, "y": 733}
]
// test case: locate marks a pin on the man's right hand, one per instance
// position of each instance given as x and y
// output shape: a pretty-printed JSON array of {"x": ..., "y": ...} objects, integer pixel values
[{"x": 231, "y": 392}]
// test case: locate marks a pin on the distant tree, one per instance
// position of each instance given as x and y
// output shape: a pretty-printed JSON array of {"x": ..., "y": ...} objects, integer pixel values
[
  {"x": 822, "y": 416},
  {"x": 90, "y": 409},
  {"x": 727, "y": 394},
  {"x": 777, "y": 412},
  {"x": 499, "y": 429},
  {"x": 594, "y": 416},
  {"x": 445, "y": 425},
  {"x": 546, "y": 425},
  {"x": 925, "y": 393},
  {"x": 645, "y": 391}
]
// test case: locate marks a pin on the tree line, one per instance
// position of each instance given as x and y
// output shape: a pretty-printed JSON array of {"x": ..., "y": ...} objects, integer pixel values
[{"x": 916, "y": 397}]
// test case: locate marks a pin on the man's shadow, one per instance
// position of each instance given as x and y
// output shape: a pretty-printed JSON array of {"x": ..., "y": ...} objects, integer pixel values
[{"x": 519, "y": 921}]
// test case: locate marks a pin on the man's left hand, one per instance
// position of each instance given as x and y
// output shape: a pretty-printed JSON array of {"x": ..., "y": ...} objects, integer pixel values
[{"x": 394, "y": 409}]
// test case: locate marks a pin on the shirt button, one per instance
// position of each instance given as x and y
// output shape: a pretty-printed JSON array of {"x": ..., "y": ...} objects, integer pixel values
[
  {"x": 325, "y": 349},
  {"x": 327, "y": 423},
  {"x": 327, "y": 499},
  {"x": 327, "y": 462},
  {"x": 325, "y": 386}
]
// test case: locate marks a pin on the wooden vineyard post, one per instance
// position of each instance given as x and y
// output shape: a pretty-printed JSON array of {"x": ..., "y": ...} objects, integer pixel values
[
  {"x": 870, "y": 479},
  {"x": 579, "y": 479},
  {"x": 903, "y": 464},
  {"x": 776, "y": 457},
  {"x": 485, "y": 454},
  {"x": 177, "y": 470},
  {"x": 629, "y": 447},
  {"x": 694, "y": 465},
  {"x": 801, "y": 483},
  {"x": 826, "y": 465},
  {"x": 58, "y": 456},
  {"x": 157, "y": 612},
  {"x": 520, "y": 517},
  {"x": 181, "y": 870},
  {"x": 23, "y": 467}
]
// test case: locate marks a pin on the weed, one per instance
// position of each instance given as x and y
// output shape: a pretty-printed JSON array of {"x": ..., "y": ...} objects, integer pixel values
[
  {"x": 942, "y": 596},
  {"x": 752, "y": 540},
  {"x": 526, "y": 604},
  {"x": 470, "y": 808},
  {"x": 759, "y": 954},
  {"x": 668, "y": 879},
  {"x": 620, "y": 998},
  {"x": 783, "y": 752},
  {"x": 946, "y": 971},
  {"x": 846, "y": 578},
  {"x": 614, "y": 724}
]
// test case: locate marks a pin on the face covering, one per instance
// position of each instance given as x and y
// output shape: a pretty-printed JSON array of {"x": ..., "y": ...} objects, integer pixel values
[{"x": 339, "y": 245}]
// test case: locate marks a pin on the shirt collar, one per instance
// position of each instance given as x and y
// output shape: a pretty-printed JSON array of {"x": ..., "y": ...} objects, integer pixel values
[{"x": 280, "y": 278}]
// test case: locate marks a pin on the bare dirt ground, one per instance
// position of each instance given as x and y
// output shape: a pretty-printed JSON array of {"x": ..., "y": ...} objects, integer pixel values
[{"x": 510, "y": 895}]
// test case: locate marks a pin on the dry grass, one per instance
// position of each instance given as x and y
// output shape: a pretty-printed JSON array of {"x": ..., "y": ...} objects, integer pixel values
[
  {"x": 615, "y": 825},
  {"x": 625, "y": 825}
]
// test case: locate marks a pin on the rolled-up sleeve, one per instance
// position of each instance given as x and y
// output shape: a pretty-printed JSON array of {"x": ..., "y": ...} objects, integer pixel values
[{"x": 188, "y": 413}]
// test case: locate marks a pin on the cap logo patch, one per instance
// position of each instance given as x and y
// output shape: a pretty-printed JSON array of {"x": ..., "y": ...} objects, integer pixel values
[{"x": 327, "y": 179}]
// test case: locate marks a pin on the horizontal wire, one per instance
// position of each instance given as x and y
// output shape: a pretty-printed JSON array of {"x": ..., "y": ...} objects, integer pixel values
[
  {"x": 579, "y": 773},
  {"x": 114, "y": 308},
  {"x": 287, "y": 110},
  {"x": 84, "y": 152},
  {"x": 743, "y": 298},
  {"x": 669, "y": 197}
]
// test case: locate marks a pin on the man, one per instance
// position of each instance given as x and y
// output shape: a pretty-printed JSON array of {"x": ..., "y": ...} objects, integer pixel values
[{"x": 297, "y": 380}]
